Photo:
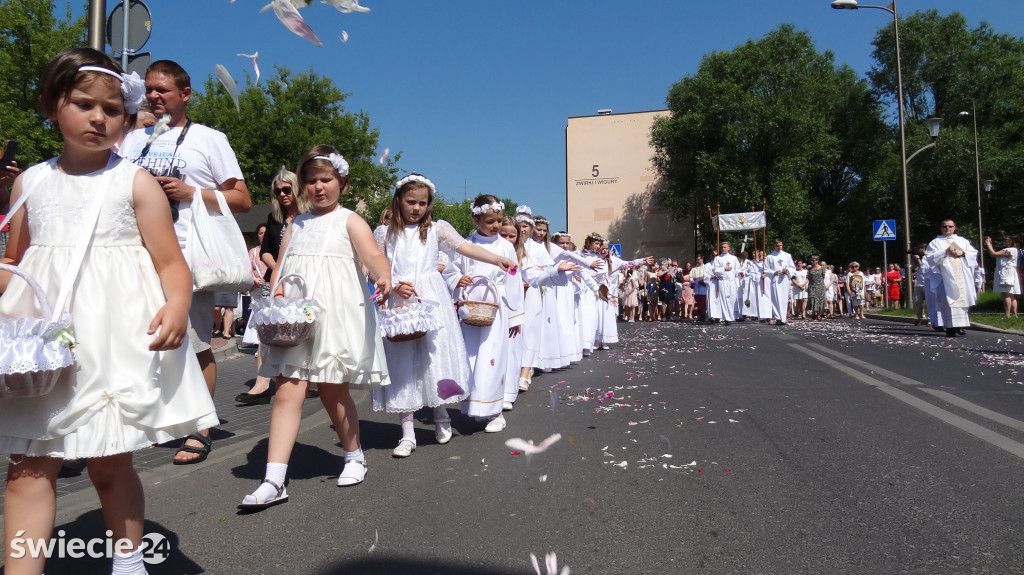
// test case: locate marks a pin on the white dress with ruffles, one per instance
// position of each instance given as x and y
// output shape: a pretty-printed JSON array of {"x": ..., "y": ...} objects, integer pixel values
[
  {"x": 418, "y": 365},
  {"x": 119, "y": 396},
  {"x": 346, "y": 346}
]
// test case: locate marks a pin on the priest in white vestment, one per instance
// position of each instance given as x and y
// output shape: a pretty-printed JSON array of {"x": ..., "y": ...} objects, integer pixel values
[
  {"x": 778, "y": 269},
  {"x": 951, "y": 259},
  {"x": 723, "y": 296}
]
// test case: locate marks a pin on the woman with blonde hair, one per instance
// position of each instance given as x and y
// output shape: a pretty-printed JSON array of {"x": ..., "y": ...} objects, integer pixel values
[{"x": 287, "y": 200}]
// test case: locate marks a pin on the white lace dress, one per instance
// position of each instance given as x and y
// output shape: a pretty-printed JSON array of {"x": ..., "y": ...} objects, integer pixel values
[
  {"x": 418, "y": 365},
  {"x": 119, "y": 396},
  {"x": 346, "y": 347}
]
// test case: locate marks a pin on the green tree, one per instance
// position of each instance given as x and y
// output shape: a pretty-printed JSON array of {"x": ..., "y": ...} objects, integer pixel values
[
  {"x": 949, "y": 68},
  {"x": 30, "y": 36},
  {"x": 288, "y": 114},
  {"x": 772, "y": 120}
]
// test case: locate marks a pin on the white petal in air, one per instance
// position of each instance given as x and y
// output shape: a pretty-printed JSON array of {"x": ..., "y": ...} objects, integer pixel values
[
  {"x": 343, "y": 37},
  {"x": 228, "y": 82},
  {"x": 289, "y": 15},
  {"x": 346, "y": 6},
  {"x": 528, "y": 447},
  {"x": 384, "y": 155},
  {"x": 255, "y": 63},
  {"x": 159, "y": 128}
]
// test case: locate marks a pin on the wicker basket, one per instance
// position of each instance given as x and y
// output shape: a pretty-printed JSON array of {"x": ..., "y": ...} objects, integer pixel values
[
  {"x": 35, "y": 351},
  {"x": 478, "y": 313},
  {"x": 285, "y": 322}
]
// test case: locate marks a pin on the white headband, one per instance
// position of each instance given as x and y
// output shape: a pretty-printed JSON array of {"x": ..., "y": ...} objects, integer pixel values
[
  {"x": 481, "y": 210},
  {"x": 564, "y": 235},
  {"x": 337, "y": 161},
  {"x": 414, "y": 177},
  {"x": 525, "y": 218},
  {"x": 525, "y": 214},
  {"x": 133, "y": 88}
]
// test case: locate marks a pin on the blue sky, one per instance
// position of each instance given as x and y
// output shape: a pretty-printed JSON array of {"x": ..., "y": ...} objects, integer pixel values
[{"x": 476, "y": 93}]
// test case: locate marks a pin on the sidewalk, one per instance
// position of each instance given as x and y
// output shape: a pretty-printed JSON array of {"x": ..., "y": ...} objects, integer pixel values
[{"x": 236, "y": 371}]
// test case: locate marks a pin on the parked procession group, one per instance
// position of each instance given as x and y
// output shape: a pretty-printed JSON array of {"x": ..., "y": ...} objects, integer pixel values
[{"x": 411, "y": 310}]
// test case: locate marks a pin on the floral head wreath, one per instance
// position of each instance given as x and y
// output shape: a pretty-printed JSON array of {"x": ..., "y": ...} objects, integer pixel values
[
  {"x": 524, "y": 214},
  {"x": 418, "y": 178},
  {"x": 481, "y": 210},
  {"x": 133, "y": 88},
  {"x": 563, "y": 235},
  {"x": 542, "y": 220},
  {"x": 337, "y": 161},
  {"x": 595, "y": 237}
]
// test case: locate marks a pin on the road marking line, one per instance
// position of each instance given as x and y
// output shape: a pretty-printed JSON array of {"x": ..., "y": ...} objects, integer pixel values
[
  {"x": 944, "y": 396},
  {"x": 982, "y": 433}
]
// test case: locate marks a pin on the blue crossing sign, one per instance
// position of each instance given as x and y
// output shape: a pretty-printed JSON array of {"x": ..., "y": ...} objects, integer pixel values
[
  {"x": 884, "y": 230},
  {"x": 615, "y": 250}
]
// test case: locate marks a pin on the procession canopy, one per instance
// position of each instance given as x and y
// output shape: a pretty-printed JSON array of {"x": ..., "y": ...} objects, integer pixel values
[{"x": 739, "y": 222}]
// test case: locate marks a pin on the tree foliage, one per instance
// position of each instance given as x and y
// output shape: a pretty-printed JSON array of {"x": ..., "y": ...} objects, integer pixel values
[
  {"x": 948, "y": 69},
  {"x": 773, "y": 120},
  {"x": 30, "y": 36},
  {"x": 280, "y": 119}
]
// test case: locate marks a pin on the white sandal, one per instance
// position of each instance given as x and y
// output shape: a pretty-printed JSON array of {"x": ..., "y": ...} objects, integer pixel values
[
  {"x": 353, "y": 473},
  {"x": 253, "y": 503},
  {"x": 524, "y": 384}
]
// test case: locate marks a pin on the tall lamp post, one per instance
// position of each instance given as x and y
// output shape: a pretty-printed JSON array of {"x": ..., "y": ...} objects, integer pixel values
[
  {"x": 891, "y": 8},
  {"x": 977, "y": 173}
]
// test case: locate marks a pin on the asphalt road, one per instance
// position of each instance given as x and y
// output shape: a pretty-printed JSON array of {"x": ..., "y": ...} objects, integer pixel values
[{"x": 836, "y": 447}]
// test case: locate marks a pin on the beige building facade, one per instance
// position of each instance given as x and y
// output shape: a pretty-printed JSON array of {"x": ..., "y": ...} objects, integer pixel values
[{"x": 610, "y": 184}]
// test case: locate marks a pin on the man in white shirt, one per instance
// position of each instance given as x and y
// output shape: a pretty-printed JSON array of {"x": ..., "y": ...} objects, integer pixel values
[
  {"x": 699, "y": 276},
  {"x": 187, "y": 159},
  {"x": 951, "y": 259},
  {"x": 724, "y": 278},
  {"x": 778, "y": 269}
]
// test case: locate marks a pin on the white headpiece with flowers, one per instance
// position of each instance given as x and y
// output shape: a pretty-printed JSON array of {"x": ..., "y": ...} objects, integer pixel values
[
  {"x": 418, "y": 178},
  {"x": 133, "y": 88},
  {"x": 336, "y": 160},
  {"x": 481, "y": 210},
  {"x": 524, "y": 214}
]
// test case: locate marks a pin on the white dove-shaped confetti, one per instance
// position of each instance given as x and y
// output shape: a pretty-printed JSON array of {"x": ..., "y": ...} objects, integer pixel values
[
  {"x": 550, "y": 564},
  {"x": 528, "y": 447},
  {"x": 159, "y": 128},
  {"x": 346, "y": 6},
  {"x": 255, "y": 63},
  {"x": 343, "y": 36},
  {"x": 289, "y": 15},
  {"x": 384, "y": 155},
  {"x": 228, "y": 82}
]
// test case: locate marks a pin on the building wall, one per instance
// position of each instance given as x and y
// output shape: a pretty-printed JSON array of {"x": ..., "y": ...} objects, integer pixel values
[{"x": 610, "y": 185}]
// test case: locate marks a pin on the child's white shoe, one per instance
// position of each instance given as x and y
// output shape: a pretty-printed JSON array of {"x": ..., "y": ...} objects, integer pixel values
[
  {"x": 496, "y": 424},
  {"x": 353, "y": 473},
  {"x": 405, "y": 448}
]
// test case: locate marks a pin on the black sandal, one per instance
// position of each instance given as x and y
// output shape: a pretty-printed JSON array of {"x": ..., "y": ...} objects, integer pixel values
[{"x": 203, "y": 451}]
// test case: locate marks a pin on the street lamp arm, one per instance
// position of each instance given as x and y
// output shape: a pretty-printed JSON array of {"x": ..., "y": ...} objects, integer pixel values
[
  {"x": 912, "y": 156},
  {"x": 853, "y": 5}
]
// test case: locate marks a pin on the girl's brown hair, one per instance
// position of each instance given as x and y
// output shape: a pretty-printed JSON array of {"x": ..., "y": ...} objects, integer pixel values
[
  {"x": 61, "y": 76},
  {"x": 398, "y": 222},
  {"x": 309, "y": 163}
]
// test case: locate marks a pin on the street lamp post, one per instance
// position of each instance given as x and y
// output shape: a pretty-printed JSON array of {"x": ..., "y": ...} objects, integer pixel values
[
  {"x": 891, "y": 8},
  {"x": 977, "y": 173}
]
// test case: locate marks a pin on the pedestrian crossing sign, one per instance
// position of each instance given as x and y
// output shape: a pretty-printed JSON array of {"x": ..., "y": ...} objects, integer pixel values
[{"x": 884, "y": 230}]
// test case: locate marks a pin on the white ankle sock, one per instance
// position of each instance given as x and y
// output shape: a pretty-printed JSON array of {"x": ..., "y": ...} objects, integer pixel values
[
  {"x": 356, "y": 455},
  {"x": 276, "y": 472},
  {"x": 129, "y": 564}
]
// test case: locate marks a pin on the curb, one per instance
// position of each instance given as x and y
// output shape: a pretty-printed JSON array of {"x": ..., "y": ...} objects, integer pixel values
[
  {"x": 226, "y": 351},
  {"x": 974, "y": 326}
]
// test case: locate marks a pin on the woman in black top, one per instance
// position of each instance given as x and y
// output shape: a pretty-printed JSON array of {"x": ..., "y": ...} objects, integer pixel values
[{"x": 287, "y": 200}]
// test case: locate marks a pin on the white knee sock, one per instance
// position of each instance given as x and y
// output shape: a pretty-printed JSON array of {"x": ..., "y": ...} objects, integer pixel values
[
  {"x": 129, "y": 564},
  {"x": 408, "y": 431},
  {"x": 276, "y": 472}
]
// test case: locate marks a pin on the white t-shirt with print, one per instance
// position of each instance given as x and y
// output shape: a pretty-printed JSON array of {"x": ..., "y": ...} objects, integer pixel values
[{"x": 204, "y": 160}]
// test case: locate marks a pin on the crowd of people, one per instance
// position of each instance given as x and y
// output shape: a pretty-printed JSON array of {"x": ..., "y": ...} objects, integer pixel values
[{"x": 411, "y": 310}]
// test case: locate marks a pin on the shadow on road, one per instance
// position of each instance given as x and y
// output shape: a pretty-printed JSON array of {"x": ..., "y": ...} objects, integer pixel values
[{"x": 406, "y": 565}]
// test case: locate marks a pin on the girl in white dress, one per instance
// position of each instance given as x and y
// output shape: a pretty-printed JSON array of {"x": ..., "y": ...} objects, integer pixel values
[
  {"x": 541, "y": 348},
  {"x": 488, "y": 346},
  {"x": 326, "y": 247},
  {"x": 510, "y": 231},
  {"x": 135, "y": 380},
  {"x": 411, "y": 242},
  {"x": 1007, "y": 281}
]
